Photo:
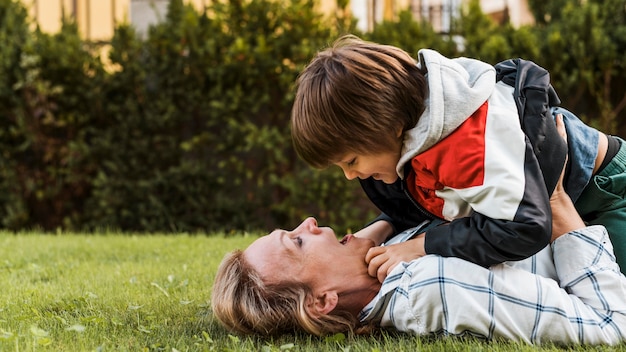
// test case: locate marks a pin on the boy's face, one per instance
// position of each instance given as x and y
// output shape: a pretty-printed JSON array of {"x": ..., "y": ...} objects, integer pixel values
[{"x": 381, "y": 166}]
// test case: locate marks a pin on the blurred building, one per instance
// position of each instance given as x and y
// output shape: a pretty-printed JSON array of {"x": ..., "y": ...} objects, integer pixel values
[
  {"x": 96, "y": 19},
  {"x": 440, "y": 13}
]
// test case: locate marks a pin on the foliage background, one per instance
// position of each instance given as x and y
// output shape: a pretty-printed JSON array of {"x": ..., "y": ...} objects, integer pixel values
[{"x": 186, "y": 129}]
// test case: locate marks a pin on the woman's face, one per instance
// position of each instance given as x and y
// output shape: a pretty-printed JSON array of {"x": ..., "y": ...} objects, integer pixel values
[{"x": 310, "y": 254}]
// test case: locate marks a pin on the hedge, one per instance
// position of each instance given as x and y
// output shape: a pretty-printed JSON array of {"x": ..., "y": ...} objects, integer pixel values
[{"x": 187, "y": 128}]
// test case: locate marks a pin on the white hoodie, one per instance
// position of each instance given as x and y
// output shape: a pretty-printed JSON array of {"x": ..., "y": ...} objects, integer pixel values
[{"x": 457, "y": 88}]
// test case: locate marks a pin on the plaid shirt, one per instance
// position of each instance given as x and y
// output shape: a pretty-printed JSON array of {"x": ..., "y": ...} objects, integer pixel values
[{"x": 450, "y": 296}]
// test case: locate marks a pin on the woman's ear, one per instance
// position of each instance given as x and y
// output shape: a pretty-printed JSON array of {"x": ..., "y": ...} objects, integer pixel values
[{"x": 323, "y": 303}]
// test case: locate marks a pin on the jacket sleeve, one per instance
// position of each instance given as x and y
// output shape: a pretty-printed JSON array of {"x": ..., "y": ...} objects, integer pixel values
[
  {"x": 492, "y": 241},
  {"x": 396, "y": 208}
]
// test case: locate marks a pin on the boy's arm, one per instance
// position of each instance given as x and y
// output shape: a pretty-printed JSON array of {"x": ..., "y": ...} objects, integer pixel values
[
  {"x": 377, "y": 231},
  {"x": 510, "y": 216},
  {"x": 485, "y": 178},
  {"x": 491, "y": 240}
]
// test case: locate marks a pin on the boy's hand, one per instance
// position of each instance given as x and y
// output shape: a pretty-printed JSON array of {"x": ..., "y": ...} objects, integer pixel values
[{"x": 381, "y": 260}]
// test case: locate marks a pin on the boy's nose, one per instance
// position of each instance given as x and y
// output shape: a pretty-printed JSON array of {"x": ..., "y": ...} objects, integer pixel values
[{"x": 350, "y": 174}]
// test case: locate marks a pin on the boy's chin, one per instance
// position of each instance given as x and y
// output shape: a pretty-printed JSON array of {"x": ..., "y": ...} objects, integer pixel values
[{"x": 389, "y": 180}]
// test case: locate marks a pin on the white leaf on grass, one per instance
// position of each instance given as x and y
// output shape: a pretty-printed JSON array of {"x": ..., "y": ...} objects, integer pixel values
[
  {"x": 76, "y": 327},
  {"x": 207, "y": 337},
  {"x": 36, "y": 331},
  {"x": 5, "y": 335},
  {"x": 143, "y": 329},
  {"x": 160, "y": 288},
  {"x": 44, "y": 341}
]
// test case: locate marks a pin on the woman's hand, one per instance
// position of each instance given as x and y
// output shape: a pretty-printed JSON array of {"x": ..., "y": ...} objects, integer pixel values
[
  {"x": 565, "y": 218},
  {"x": 560, "y": 127}
]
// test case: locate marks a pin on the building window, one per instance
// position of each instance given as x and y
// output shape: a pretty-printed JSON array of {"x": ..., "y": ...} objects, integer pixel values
[
  {"x": 145, "y": 13},
  {"x": 440, "y": 13}
]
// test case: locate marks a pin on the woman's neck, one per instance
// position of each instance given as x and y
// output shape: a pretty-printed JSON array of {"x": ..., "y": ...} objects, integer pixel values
[{"x": 355, "y": 299}]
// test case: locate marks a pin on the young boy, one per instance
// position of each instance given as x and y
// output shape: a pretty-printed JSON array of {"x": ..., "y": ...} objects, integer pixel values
[{"x": 458, "y": 140}]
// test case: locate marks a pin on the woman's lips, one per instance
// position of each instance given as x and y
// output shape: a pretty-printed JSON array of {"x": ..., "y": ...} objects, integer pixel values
[{"x": 346, "y": 239}]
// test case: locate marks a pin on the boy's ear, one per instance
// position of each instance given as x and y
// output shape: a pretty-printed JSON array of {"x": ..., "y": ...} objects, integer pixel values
[
  {"x": 400, "y": 132},
  {"x": 323, "y": 302}
]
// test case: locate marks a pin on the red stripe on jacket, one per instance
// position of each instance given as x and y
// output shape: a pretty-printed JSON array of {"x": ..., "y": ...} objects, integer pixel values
[{"x": 457, "y": 161}]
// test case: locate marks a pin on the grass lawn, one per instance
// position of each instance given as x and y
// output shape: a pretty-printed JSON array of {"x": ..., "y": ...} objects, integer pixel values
[{"x": 113, "y": 292}]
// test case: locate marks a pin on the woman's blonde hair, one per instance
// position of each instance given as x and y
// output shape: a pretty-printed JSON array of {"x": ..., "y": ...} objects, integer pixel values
[
  {"x": 245, "y": 304},
  {"x": 355, "y": 97}
]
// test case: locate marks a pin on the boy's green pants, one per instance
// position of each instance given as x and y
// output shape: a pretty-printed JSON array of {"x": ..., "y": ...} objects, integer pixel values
[{"x": 602, "y": 203}]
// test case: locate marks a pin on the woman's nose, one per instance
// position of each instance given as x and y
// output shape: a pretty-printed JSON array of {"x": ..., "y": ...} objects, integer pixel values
[
  {"x": 310, "y": 221},
  {"x": 310, "y": 224}
]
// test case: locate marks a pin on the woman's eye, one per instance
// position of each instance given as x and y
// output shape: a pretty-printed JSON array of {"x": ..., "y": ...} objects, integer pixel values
[{"x": 298, "y": 241}]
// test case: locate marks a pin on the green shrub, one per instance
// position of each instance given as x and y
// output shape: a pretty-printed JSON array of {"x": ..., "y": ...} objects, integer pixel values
[
  {"x": 198, "y": 135},
  {"x": 187, "y": 128},
  {"x": 47, "y": 103}
]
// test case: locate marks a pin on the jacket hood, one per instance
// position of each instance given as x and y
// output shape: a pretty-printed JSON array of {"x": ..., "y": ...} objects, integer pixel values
[{"x": 457, "y": 88}]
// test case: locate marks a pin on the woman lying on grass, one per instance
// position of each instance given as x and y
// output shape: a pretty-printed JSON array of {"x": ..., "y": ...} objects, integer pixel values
[{"x": 307, "y": 280}]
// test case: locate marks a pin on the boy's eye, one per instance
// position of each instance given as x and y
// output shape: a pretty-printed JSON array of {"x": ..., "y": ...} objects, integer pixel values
[{"x": 351, "y": 162}]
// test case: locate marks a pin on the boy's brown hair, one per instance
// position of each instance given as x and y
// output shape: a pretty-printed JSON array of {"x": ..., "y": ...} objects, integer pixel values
[{"x": 355, "y": 97}]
